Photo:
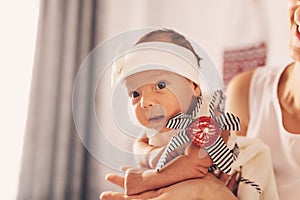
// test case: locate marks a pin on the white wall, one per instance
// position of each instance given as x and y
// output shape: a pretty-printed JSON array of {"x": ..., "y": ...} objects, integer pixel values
[
  {"x": 18, "y": 21},
  {"x": 202, "y": 20}
]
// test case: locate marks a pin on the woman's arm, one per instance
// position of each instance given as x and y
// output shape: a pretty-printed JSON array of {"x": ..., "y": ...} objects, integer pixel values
[
  {"x": 237, "y": 101},
  {"x": 206, "y": 188}
]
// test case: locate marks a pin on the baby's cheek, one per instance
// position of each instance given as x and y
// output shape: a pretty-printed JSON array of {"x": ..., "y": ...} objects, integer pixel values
[
  {"x": 134, "y": 102},
  {"x": 182, "y": 100},
  {"x": 140, "y": 116}
]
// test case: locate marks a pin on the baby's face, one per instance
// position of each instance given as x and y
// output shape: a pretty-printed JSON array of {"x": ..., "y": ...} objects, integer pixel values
[{"x": 157, "y": 95}]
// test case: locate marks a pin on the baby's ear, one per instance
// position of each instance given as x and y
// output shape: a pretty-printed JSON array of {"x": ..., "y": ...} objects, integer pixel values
[{"x": 196, "y": 88}]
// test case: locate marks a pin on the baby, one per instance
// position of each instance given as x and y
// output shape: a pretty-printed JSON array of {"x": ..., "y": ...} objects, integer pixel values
[{"x": 161, "y": 78}]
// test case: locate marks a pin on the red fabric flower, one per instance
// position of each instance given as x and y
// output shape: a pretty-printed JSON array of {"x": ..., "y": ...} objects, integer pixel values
[{"x": 204, "y": 131}]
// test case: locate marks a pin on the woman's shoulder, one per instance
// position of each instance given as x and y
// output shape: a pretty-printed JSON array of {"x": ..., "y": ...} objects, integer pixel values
[
  {"x": 242, "y": 80},
  {"x": 240, "y": 83},
  {"x": 237, "y": 101}
]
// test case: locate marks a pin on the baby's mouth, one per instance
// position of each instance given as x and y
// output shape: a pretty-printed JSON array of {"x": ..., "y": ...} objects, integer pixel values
[
  {"x": 157, "y": 122},
  {"x": 156, "y": 119}
]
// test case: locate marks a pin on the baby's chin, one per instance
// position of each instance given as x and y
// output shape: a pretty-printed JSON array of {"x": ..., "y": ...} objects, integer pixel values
[
  {"x": 164, "y": 130},
  {"x": 159, "y": 129}
]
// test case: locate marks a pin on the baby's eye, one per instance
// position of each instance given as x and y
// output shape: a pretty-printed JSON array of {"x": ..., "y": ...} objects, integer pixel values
[
  {"x": 161, "y": 85},
  {"x": 134, "y": 94}
]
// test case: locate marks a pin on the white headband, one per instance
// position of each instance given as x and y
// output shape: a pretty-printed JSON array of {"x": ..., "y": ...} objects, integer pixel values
[{"x": 156, "y": 56}]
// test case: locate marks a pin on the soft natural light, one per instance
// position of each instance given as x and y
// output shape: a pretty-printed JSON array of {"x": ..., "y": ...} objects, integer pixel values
[{"x": 18, "y": 21}]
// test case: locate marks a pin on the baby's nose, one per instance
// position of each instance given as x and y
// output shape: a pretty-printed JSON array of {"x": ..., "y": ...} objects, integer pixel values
[{"x": 147, "y": 100}]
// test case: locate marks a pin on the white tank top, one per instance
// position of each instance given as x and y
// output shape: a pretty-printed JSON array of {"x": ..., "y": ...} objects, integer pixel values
[{"x": 266, "y": 124}]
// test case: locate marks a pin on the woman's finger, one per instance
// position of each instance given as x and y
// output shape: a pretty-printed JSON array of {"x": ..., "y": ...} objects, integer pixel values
[
  {"x": 116, "y": 179},
  {"x": 126, "y": 167},
  {"x": 119, "y": 196}
]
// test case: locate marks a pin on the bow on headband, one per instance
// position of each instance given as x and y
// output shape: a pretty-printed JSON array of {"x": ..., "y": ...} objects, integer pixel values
[{"x": 204, "y": 131}]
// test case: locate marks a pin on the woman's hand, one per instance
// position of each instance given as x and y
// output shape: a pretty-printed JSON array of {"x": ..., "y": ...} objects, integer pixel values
[
  {"x": 193, "y": 164},
  {"x": 206, "y": 188}
]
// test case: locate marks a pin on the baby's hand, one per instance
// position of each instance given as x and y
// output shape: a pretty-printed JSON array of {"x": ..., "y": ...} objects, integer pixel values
[{"x": 198, "y": 158}]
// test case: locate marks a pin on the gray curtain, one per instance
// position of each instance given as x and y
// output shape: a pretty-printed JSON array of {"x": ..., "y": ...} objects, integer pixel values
[{"x": 55, "y": 165}]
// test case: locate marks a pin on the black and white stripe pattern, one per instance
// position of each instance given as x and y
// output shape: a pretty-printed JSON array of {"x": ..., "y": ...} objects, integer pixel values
[
  {"x": 219, "y": 152},
  {"x": 213, "y": 168},
  {"x": 234, "y": 153},
  {"x": 177, "y": 140},
  {"x": 226, "y": 121},
  {"x": 217, "y": 102},
  {"x": 221, "y": 155},
  {"x": 197, "y": 108},
  {"x": 182, "y": 120},
  {"x": 251, "y": 183}
]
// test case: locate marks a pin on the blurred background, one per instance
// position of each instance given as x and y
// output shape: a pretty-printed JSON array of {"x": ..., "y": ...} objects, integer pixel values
[{"x": 43, "y": 44}]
